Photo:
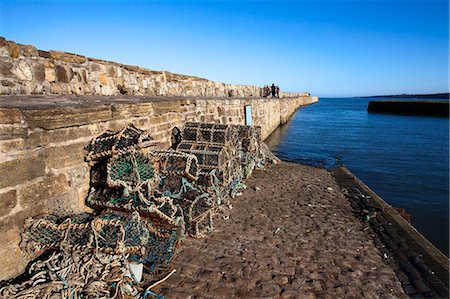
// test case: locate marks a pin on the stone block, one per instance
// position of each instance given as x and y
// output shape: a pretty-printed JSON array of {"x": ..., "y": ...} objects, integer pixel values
[
  {"x": 50, "y": 74},
  {"x": 107, "y": 90},
  {"x": 67, "y": 57},
  {"x": 66, "y": 117},
  {"x": 83, "y": 75},
  {"x": 23, "y": 71},
  {"x": 7, "y": 83},
  {"x": 81, "y": 206},
  {"x": 8, "y": 201},
  {"x": 64, "y": 74},
  {"x": 20, "y": 170},
  {"x": 10, "y": 116},
  {"x": 13, "y": 50},
  {"x": 111, "y": 71},
  {"x": 156, "y": 119},
  {"x": 65, "y": 156},
  {"x": 39, "y": 137},
  {"x": 131, "y": 110},
  {"x": 103, "y": 79},
  {"x": 39, "y": 72},
  {"x": 94, "y": 67},
  {"x": 13, "y": 262},
  {"x": 8, "y": 146},
  {"x": 164, "y": 127},
  {"x": 39, "y": 192},
  {"x": 44, "y": 54},
  {"x": 78, "y": 176},
  {"x": 5, "y": 68},
  {"x": 12, "y": 132},
  {"x": 162, "y": 107},
  {"x": 61, "y": 204},
  {"x": 28, "y": 50},
  {"x": 56, "y": 88},
  {"x": 18, "y": 219}
]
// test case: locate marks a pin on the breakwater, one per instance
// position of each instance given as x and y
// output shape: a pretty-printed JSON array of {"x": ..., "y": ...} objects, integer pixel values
[{"x": 436, "y": 108}]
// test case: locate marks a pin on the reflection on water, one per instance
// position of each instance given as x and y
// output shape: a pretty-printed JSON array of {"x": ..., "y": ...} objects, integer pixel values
[{"x": 402, "y": 158}]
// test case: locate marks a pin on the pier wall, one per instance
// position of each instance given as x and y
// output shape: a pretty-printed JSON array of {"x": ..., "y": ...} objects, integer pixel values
[
  {"x": 26, "y": 70},
  {"x": 42, "y": 140}
]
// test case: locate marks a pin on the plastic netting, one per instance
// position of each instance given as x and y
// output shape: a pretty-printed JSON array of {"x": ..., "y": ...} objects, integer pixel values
[
  {"x": 134, "y": 172},
  {"x": 128, "y": 183},
  {"x": 88, "y": 256},
  {"x": 209, "y": 156},
  {"x": 110, "y": 143},
  {"x": 172, "y": 162},
  {"x": 130, "y": 186},
  {"x": 74, "y": 273},
  {"x": 211, "y": 133},
  {"x": 112, "y": 232}
]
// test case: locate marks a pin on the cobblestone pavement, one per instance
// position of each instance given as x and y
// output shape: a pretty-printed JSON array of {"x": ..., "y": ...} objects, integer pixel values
[{"x": 291, "y": 235}]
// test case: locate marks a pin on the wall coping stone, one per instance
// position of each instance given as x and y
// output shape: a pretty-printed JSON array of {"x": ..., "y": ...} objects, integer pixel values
[{"x": 37, "y": 102}]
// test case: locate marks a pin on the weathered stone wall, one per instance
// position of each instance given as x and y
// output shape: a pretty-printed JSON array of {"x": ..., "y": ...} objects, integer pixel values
[
  {"x": 42, "y": 140},
  {"x": 27, "y": 70}
]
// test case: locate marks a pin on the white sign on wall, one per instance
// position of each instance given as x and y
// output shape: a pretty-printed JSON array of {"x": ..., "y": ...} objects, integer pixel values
[{"x": 248, "y": 115}]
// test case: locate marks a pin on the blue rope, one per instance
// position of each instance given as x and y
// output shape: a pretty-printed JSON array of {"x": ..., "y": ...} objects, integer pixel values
[{"x": 153, "y": 294}]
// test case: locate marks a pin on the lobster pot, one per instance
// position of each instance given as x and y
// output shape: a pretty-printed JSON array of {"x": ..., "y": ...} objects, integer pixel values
[
  {"x": 202, "y": 224},
  {"x": 209, "y": 156},
  {"x": 153, "y": 246},
  {"x": 248, "y": 137},
  {"x": 110, "y": 143},
  {"x": 213, "y": 160},
  {"x": 112, "y": 232},
  {"x": 206, "y": 132},
  {"x": 133, "y": 172},
  {"x": 161, "y": 210},
  {"x": 177, "y": 171},
  {"x": 47, "y": 232},
  {"x": 176, "y": 163},
  {"x": 131, "y": 185}
]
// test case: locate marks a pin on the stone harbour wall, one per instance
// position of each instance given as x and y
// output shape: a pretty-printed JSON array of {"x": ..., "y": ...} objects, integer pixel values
[
  {"x": 42, "y": 140},
  {"x": 27, "y": 70}
]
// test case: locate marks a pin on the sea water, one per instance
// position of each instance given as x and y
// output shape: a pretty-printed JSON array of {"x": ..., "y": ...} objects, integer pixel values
[{"x": 403, "y": 158}]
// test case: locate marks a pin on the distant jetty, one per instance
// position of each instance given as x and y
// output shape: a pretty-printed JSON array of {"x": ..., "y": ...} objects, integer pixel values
[
  {"x": 435, "y": 108},
  {"x": 440, "y": 96}
]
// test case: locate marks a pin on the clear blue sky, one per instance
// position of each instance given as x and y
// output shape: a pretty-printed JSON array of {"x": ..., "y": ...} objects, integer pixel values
[{"x": 329, "y": 48}]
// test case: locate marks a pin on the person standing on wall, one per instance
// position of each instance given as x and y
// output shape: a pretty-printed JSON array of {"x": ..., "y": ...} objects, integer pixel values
[
  {"x": 273, "y": 90},
  {"x": 278, "y": 92}
]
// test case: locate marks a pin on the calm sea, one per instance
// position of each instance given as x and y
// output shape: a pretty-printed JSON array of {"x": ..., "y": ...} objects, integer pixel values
[{"x": 404, "y": 159}]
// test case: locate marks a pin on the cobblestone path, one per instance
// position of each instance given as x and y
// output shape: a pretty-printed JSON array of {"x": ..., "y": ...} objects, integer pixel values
[{"x": 291, "y": 235}]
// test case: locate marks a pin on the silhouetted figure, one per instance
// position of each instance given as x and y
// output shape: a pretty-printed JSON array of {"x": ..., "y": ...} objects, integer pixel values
[
  {"x": 266, "y": 91},
  {"x": 273, "y": 89},
  {"x": 278, "y": 92}
]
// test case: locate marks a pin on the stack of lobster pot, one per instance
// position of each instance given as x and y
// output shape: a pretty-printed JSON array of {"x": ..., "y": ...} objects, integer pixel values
[
  {"x": 226, "y": 154},
  {"x": 90, "y": 256},
  {"x": 161, "y": 185},
  {"x": 125, "y": 177},
  {"x": 214, "y": 145},
  {"x": 248, "y": 147}
]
